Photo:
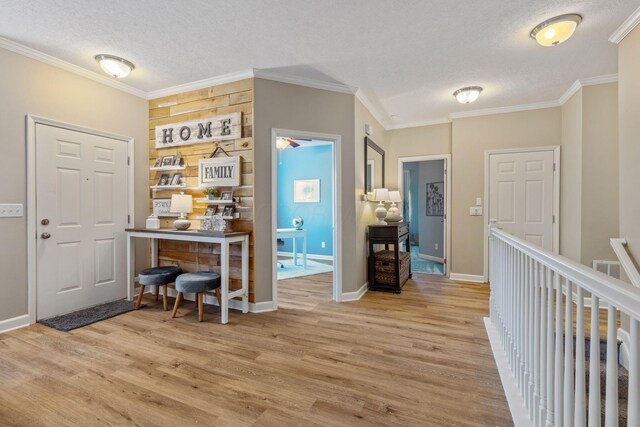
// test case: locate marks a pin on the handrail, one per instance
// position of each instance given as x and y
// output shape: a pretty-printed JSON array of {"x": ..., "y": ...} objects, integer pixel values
[
  {"x": 619, "y": 247},
  {"x": 619, "y": 293}
]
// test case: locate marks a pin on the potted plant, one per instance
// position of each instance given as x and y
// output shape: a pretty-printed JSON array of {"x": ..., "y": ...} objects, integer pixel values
[{"x": 212, "y": 192}]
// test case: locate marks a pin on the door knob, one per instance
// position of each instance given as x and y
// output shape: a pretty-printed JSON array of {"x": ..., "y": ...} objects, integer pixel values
[
  {"x": 45, "y": 235},
  {"x": 44, "y": 222}
]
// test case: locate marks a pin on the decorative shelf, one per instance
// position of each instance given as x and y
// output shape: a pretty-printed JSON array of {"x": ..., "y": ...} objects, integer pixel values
[
  {"x": 215, "y": 202},
  {"x": 168, "y": 168},
  {"x": 168, "y": 187},
  {"x": 235, "y": 216}
]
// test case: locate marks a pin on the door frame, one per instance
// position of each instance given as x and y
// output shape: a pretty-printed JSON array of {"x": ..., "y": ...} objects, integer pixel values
[
  {"x": 336, "y": 141},
  {"x": 32, "y": 226},
  {"x": 447, "y": 179},
  {"x": 556, "y": 197}
]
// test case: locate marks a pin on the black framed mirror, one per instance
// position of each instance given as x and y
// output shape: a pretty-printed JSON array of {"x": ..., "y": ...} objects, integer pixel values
[{"x": 373, "y": 165}]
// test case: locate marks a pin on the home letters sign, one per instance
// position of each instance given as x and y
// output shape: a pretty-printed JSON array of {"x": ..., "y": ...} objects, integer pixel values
[
  {"x": 218, "y": 128},
  {"x": 219, "y": 171}
]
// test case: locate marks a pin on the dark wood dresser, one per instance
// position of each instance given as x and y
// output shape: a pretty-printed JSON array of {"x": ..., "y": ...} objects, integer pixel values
[{"x": 389, "y": 269}]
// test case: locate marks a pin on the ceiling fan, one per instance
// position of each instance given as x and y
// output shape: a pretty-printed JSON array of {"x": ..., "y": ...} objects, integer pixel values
[{"x": 283, "y": 143}]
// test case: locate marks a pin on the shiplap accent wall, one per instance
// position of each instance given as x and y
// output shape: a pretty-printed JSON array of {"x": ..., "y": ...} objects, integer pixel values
[{"x": 198, "y": 104}]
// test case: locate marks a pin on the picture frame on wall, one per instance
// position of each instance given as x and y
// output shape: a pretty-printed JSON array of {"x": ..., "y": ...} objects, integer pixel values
[
  {"x": 219, "y": 172},
  {"x": 158, "y": 162},
  {"x": 435, "y": 198},
  {"x": 162, "y": 208},
  {"x": 226, "y": 195},
  {"x": 175, "y": 180},
  {"x": 306, "y": 191},
  {"x": 164, "y": 179},
  {"x": 167, "y": 160}
]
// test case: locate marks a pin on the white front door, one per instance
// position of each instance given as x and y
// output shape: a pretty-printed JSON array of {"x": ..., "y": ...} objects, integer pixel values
[
  {"x": 81, "y": 210},
  {"x": 521, "y": 195}
]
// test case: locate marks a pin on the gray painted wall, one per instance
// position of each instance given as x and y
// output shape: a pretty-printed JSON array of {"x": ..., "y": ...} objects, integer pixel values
[{"x": 431, "y": 228}]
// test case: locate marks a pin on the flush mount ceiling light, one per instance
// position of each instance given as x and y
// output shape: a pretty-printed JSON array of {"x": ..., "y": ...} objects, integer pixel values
[
  {"x": 556, "y": 30},
  {"x": 114, "y": 65},
  {"x": 467, "y": 94}
]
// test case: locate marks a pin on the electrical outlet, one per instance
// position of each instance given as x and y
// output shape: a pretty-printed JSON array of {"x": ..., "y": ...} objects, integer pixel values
[
  {"x": 11, "y": 210},
  {"x": 435, "y": 246},
  {"x": 478, "y": 201},
  {"x": 323, "y": 245}
]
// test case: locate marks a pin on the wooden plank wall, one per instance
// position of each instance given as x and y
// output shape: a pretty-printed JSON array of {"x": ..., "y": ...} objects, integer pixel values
[{"x": 223, "y": 99}]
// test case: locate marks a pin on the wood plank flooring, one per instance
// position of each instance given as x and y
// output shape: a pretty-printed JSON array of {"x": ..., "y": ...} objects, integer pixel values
[{"x": 421, "y": 358}]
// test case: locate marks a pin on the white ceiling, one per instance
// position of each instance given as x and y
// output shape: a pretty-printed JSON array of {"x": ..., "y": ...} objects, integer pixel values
[{"x": 407, "y": 56}]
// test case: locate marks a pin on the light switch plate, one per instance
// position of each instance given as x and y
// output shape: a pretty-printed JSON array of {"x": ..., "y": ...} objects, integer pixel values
[
  {"x": 475, "y": 211},
  {"x": 13, "y": 210}
]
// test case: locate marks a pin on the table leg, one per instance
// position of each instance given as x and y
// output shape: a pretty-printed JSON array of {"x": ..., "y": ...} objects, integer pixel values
[
  {"x": 224, "y": 284},
  {"x": 154, "y": 252},
  {"x": 131, "y": 263},
  {"x": 245, "y": 274},
  {"x": 304, "y": 251},
  {"x": 295, "y": 251}
]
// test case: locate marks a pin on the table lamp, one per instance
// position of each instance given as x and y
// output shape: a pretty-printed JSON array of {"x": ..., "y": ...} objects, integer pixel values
[
  {"x": 182, "y": 204},
  {"x": 393, "y": 215},
  {"x": 381, "y": 195}
]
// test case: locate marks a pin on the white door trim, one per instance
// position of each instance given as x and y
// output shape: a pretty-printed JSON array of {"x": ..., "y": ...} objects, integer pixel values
[
  {"x": 447, "y": 172},
  {"x": 556, "y": 197},
  {"x": 337, "y": 197},
  {"x": 32, "y": 258}
]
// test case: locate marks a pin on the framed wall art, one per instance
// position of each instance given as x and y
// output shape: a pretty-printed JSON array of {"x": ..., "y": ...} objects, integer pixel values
[
  {"x": 435, "y": 198},
  {"x": 306, "y": 191}
]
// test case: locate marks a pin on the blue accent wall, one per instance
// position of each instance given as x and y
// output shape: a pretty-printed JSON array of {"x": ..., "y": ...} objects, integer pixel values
[{"x": 314, "y": 162}]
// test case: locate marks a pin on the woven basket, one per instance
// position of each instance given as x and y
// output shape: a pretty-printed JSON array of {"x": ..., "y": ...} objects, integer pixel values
[{"x": 385, "y": 269}]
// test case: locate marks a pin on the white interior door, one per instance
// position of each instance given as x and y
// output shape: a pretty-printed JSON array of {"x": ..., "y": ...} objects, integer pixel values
[
  {"x": 521, "y": 195},
  {"x": 81, "y": 209}
]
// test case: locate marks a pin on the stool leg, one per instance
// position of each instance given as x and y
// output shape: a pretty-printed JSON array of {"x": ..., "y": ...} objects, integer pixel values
[
  {"x": 200, "y": 307},
  {"x": 175, "y": 307},
  {"x": 139, "y": 300},
  {"x": 157, "y": 293},
  {"x": 217, "y": 292},
  {"x": 164, "y": 297}
]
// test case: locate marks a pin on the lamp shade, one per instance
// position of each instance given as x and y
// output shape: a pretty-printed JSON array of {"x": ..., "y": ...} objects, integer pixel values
[
  {"x": 181, "y": 203},
  {"x": 394, "y": 196},
  {"x": 381, "y": 194}
]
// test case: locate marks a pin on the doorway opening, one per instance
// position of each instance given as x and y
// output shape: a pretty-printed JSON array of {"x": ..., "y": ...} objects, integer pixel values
[
  {"x": 424, "y": 186},
  {"x": 305, "y": 222}
]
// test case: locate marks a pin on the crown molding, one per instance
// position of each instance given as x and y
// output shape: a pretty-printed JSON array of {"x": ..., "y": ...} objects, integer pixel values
[
  {"x": 375, "y": 112},
  {"x": 419, "y": 123},
  {"x": 589, "y": 81},
  {"x": 502, "y": 110},
  {"x": 303, "y": 81},
  {"x": 67, "y": 66},
  {"x": 200, "y": 84},
  {"x": 627, "y": 26}
]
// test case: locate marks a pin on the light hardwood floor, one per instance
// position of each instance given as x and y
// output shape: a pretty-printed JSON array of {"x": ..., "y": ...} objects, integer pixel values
[{"x": 421, "y": 358}]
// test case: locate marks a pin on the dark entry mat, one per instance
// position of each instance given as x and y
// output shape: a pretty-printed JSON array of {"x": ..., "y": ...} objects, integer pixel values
[{"x": 87, "y": 316}]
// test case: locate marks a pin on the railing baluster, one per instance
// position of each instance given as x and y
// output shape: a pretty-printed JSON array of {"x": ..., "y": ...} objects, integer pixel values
[
  {"x": 580, "y": 392},
  {"x": 633, "y": 401},
  {"x": 530, "y": 340},
  {"x": 536, "y": 342},
  {"x": 550, "y": 347},
  {"x": 559, "y": 393},
  {"x": 568, "y": 355},
  {"x": 611, "y": 402},
  {"x": 542, "y": 404},
  {"x": 594, "y": 365}
]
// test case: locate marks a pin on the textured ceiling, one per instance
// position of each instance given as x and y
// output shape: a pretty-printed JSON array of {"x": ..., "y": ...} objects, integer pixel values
[{"x": 408, "y": 56}]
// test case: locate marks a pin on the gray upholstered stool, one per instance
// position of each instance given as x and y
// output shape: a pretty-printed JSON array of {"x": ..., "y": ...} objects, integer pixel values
[
  {"x": 197, "y": 283},
  {"x": 157, "y": 276}
]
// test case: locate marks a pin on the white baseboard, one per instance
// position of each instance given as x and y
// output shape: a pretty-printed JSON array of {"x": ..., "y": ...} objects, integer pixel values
[
  {"x": 431, "y": 258},
  {"x": 467, "y": 278},
  {"x": 355, "y": 296},
  {"x": 14, "y": 323},
  {"x": 309, "y": 256},
  {"x": 519, "y": 412}
]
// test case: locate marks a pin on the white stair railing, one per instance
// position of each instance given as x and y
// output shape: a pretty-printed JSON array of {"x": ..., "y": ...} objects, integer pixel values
[
  {"x": 535, "y": 321},
  {"x": 619, "y": 247}
]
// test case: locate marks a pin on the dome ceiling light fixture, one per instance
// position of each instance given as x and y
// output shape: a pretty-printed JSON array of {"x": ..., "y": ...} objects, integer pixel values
[
  {"x": 467, "y": 95},
  {"x": 114, "y": 65},
  {"x": 556, "y": 30}
]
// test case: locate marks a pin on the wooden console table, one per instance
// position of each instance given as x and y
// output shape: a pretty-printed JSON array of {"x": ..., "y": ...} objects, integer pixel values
[
  {"x": 390, "y": 234},
  {"x": 194, "y": 236}
]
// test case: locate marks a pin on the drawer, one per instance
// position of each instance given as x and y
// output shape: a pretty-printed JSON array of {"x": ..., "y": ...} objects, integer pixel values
[{"x": 392, "y": 232}]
